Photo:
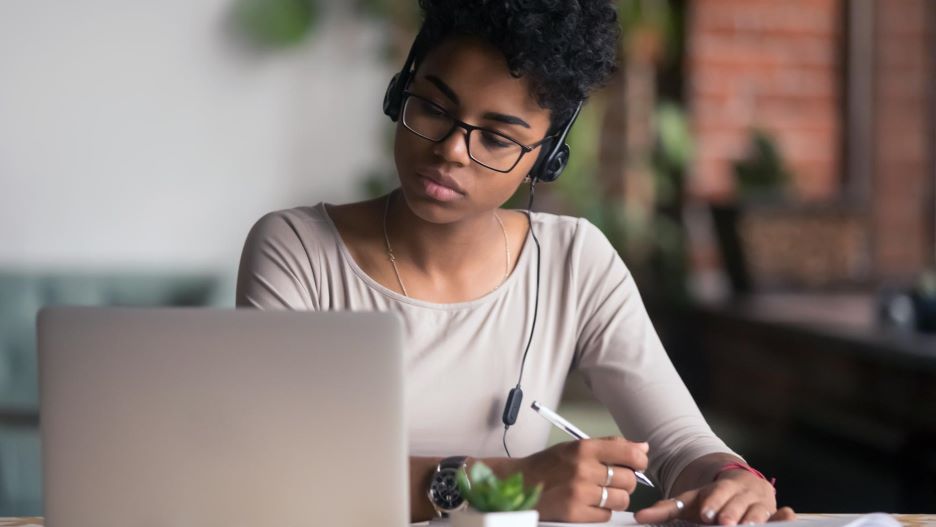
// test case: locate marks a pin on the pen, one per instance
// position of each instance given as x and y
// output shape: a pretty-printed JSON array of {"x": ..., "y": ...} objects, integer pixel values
[{"x": 560, "y": 422}]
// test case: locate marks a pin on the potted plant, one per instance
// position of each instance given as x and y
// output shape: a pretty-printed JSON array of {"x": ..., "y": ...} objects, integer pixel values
[{"x": 496, "y": 503}]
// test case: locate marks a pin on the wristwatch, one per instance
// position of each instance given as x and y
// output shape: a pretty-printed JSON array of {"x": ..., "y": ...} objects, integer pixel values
[{"x": 443, "y": 489}]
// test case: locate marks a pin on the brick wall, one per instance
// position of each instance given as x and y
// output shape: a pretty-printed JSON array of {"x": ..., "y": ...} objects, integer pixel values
[
  {"x": 775, "y": 64},
  {"x": 901, "y": 190},
  {"x": 780, "y": 65}
]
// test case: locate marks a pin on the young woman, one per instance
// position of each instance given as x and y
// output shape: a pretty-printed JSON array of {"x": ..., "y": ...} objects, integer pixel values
[{"x": 494, "y": 298}]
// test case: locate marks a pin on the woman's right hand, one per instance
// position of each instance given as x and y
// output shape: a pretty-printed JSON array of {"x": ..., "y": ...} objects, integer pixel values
[{"x": 573, "y": 474}]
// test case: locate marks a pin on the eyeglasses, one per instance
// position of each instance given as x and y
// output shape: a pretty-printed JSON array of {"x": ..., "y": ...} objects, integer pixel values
[{"x": 488, "y": 148}]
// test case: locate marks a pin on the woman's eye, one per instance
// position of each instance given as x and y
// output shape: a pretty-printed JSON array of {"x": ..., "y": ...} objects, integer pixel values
[
  {"x": 431, "y": 109},
  {"x": 494, "y": 140}
]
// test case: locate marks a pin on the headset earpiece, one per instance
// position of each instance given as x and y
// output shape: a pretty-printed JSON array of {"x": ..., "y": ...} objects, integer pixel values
[
  {"x": 391, "y": 101},
  {"x": 393, "y": 98},
  {"x": 556, "y": 164},
  {"x": 550, "y": 166}
]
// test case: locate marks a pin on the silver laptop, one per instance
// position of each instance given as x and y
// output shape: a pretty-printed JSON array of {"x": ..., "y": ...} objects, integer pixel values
[{"x": 201, "y": 417}]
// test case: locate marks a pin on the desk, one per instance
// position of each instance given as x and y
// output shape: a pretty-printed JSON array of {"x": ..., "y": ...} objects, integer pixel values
[{"x": 908, "y": 520}]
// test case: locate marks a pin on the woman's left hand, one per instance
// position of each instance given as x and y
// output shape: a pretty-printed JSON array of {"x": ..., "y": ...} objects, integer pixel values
[{"x": 737, "y": 497}]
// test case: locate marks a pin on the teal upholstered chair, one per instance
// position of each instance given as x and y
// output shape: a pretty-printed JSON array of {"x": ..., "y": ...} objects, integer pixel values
[{"x": 22, "y": 294}]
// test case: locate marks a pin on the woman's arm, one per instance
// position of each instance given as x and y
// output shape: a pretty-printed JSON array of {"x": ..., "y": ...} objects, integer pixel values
[
  {"x": 626, "y": 367},
  {"x": 629, "y": 371},
  {"x": 421, "y": 470},
  {"x": 713, "y": 495}
]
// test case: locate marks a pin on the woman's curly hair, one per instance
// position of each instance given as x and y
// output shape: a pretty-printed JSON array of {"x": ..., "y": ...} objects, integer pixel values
[{"x": 566, "y": 48}]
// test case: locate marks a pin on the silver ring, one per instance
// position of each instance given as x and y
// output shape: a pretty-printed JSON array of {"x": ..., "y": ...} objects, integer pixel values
[
  {"x": 604, "y": 497},
  {"x": 680, "y": 505},
  {"x": 610, "y": 475}
]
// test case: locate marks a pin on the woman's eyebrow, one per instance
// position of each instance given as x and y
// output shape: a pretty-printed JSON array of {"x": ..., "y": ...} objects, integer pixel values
[
  {"x": 509, "y": 119},
  {"x": 492, "y": 116},
  {"x": 444, "y": 88}
]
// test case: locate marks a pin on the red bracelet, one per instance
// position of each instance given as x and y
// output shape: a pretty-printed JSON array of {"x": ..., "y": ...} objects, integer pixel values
[{"x": 752, "y": 470}]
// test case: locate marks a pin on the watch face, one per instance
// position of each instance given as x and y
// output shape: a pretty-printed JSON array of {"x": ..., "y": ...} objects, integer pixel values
[{"x": 444, "y": 489}]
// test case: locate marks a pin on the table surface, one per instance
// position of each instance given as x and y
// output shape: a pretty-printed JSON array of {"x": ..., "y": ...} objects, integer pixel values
[{"x": 909, "y": 520}]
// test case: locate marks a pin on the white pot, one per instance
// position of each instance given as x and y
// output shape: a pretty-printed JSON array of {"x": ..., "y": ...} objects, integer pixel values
[{"x": 473, "y": 518}]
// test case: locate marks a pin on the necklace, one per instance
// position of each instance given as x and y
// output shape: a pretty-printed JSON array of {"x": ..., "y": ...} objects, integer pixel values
[{"x": 393, "y": 259}]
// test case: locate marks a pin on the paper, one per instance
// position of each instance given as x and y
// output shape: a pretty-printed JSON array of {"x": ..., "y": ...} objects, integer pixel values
[
  {"x": 868, "y": 520},
  {"x": 877, "y": 519},
  {"x": 617, "y": 518}
]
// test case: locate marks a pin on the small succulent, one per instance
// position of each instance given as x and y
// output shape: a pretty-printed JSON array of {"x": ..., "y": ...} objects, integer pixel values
[{"x": 486, "y": 493}]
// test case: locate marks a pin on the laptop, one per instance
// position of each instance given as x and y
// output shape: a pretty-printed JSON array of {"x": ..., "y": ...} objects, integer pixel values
[{"x": 208, "y": 417}]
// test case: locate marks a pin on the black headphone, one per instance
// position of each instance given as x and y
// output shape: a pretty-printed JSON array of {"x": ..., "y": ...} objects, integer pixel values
[
  {"x": 550, "y": 163},
  {"x": 548, "y": 167}
]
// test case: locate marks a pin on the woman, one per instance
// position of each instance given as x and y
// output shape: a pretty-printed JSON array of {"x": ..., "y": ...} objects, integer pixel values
[{"x": 489, "y": 295}]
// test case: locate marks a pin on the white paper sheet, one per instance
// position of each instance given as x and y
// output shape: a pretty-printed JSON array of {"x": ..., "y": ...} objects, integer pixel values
[{"x": 877, "y": 519}]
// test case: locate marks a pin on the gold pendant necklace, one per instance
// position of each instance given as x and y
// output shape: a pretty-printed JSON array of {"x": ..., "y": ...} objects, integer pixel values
[{"x": 393, "y": 259}]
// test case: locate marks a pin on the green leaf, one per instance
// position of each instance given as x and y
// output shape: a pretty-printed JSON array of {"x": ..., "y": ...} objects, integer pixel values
[
  {"x": 481, "y": 473},
  {"x": 486, "y": 493},
  {"x": 479, "y": 502},
  {"x": 513, "y": 485},
  {"x": 499, "y": 504},
  {"x": 461, "y": 478},
  {"x": 515, "y": 502},
  {"x": 532, "y": 499}
]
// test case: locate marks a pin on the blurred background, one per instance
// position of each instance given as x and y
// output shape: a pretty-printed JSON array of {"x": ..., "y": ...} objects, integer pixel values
[{"x": 766, "y": 168}]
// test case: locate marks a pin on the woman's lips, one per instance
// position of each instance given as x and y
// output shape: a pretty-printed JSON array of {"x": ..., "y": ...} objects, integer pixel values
[{"x": 438, "y": 191}]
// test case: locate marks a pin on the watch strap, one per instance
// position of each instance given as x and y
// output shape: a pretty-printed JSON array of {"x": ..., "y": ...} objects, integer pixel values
[{"x": 455, "y": 462}]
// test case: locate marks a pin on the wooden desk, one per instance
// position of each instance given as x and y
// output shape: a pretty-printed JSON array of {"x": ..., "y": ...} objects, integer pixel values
[{"x": 908, "y": 520}]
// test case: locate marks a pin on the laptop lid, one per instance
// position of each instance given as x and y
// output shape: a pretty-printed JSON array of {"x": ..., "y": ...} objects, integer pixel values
[{"x": 204, "y": 417}]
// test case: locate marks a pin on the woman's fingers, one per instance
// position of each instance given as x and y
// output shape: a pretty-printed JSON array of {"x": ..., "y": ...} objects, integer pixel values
[
  {"x": 785, "y": 514},
  {"x": 581, "y": 504},
  {"x": 621, "y": 477},
  {"x": 620, "y": 451},
  {"x": 618, "y": 500},
  {"x": 713, "y": 498},
  {"x": 735, "y": 508},
  {"x": 666, "y": 510},
  {"x": 756, "y": 513}
]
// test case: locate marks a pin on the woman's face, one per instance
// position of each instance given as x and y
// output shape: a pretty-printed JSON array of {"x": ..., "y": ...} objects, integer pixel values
[{"x": 468, "y": 79}]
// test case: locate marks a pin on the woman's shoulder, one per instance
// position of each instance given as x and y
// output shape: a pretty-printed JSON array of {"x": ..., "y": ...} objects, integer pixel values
[
  {"x": 304, "y": 225},
  {"x": 568, "y": 233}
]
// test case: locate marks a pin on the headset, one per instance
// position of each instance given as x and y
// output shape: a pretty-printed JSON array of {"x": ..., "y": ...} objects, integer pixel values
[{"x": 548, "y": 167}]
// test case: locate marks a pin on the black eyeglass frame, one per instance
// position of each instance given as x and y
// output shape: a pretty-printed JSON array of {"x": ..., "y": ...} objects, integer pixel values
[{"x": 469, "y": 128}]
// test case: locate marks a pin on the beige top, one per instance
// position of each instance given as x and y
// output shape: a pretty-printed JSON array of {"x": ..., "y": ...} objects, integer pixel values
[{"x": 463, "y": 358}]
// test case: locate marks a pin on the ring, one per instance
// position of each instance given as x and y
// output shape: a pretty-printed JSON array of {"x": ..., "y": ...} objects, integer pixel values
[
  {"x": 680, "y": 505},
  {"x": 610, "y": 475},
  {"x": 604, "y": 497}
]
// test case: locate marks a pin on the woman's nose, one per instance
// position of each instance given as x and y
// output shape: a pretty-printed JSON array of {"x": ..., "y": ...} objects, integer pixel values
[{"x": 454, "y": 147}]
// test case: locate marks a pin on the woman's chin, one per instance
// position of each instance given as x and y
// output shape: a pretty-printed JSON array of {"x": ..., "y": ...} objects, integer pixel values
[{"x": 433, "y": 210}]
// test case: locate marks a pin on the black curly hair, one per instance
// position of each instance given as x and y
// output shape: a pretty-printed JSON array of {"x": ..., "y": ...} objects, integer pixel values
[{"x": 567, "y": 48}]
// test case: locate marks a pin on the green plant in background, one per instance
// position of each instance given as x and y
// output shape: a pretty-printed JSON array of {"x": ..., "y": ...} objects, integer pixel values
[
  {"x": 762, "y": 172},
  {"x": 579, "y": 185},
  {"x": 486, "y": 493},
  {"x": 276, "y": 23}
]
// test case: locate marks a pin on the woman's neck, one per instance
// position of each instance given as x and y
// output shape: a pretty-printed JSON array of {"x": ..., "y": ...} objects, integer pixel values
[{"x": 444, "y": 250}]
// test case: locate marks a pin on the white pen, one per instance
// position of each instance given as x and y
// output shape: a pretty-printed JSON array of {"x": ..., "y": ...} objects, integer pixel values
[{"x": 560, "y": 422}]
